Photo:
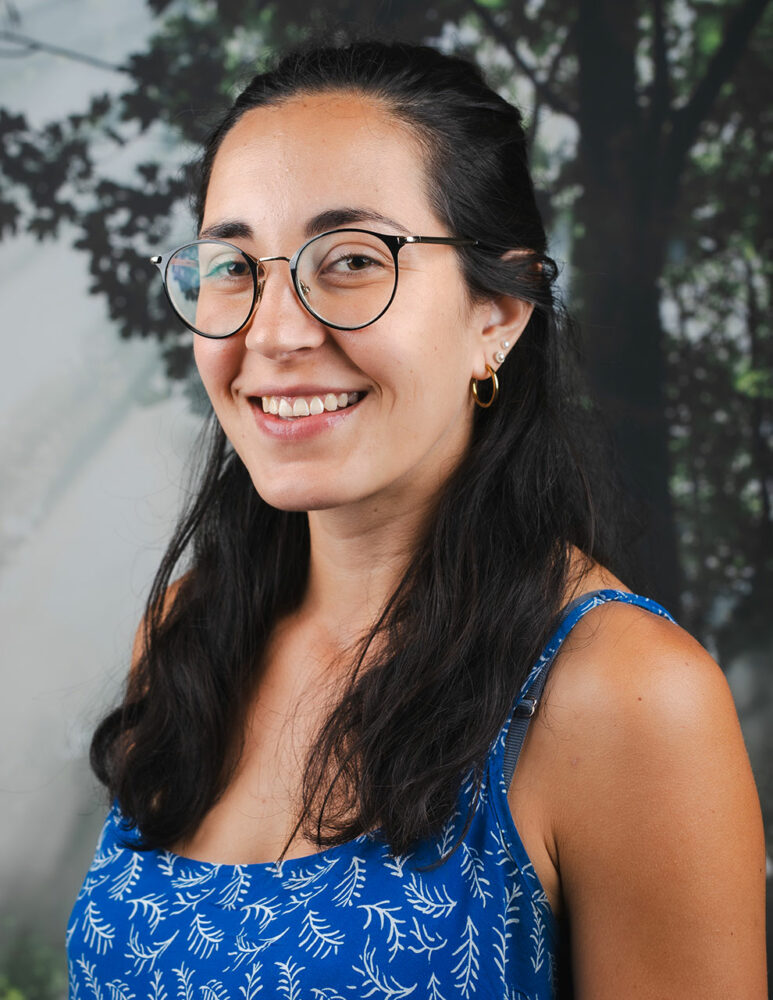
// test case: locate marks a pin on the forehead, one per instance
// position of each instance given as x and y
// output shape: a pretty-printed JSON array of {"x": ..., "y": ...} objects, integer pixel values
[{"x": 282, "y": 164}]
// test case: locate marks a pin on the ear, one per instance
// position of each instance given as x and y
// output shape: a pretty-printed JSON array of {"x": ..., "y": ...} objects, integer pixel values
[{"x": 501, "y": 320}]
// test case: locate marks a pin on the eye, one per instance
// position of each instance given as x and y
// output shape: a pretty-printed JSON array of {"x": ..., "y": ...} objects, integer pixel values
[
  {"x": 353, "y": 262},
  {"x": 345, "y": 260},
  {"x": 227, "y": 267}
]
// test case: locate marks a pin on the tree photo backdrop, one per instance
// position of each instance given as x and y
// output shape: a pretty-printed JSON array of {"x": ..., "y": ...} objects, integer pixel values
[
  {"x": 657, "y": 183},
  {"x": 650, "y": 126}
]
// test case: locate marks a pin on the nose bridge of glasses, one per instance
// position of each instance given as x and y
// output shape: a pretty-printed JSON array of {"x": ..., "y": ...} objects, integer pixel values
[
  {"x": 264, "y": 260},
  {"x": 260, "y": 271},
  {"x": 296, "y": 284}
]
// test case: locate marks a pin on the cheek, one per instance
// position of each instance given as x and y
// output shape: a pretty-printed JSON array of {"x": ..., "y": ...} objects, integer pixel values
[
  {"x": 423, "y": 340},
  {"x": 217, "y": 362}
]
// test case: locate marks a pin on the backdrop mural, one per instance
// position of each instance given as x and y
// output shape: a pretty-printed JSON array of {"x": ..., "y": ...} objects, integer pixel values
[{"x": 651, "y": 139}]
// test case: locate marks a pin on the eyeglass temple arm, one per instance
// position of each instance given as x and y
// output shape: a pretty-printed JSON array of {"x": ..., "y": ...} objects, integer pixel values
[{"x": 453, "y": 241}]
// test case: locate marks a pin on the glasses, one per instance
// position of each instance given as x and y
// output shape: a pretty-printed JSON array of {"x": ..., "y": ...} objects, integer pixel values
[{"x": 346, "y": 279}]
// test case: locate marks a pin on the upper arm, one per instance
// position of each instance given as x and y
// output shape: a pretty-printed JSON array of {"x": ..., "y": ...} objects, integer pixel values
[{"x": 655, "y": 818}]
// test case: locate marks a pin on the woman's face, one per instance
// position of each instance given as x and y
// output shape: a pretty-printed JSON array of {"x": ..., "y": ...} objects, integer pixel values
[{"x": 282, "y": 174}]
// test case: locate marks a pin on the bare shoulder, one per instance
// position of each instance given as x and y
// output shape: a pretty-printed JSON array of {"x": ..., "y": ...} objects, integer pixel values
[
  {"x": 653, "y": 813},
  {"x": 621, "y": 658}
]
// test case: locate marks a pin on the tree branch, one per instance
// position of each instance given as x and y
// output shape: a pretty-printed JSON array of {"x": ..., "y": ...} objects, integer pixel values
[
  {"x": 33, "y": 45},
  {"x": 553, "y": 68},
  {"x": 531, "y": 133},
  {"x": 686, "y": 121},
  {"x": 543, "y": 90}
]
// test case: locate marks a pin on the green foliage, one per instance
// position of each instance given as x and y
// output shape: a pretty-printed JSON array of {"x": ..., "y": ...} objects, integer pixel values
[
  {"x": 708, "y": 31},
  {"x": 721, "y": 368},
  {"x": 756, "y": 383},
  {"x": 716, "y": 430},
  {"x": 30, "y": 968}
]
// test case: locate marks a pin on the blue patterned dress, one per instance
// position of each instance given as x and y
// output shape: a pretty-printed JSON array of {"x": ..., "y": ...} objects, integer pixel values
[{"x": 349, "y": 922}]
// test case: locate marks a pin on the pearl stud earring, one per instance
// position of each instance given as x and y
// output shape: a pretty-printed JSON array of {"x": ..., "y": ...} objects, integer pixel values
[{"x": 499, "y": 357}]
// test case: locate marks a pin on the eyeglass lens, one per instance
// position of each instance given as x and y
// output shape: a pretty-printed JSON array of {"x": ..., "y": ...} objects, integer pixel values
[{"x": 345, "y": 279}]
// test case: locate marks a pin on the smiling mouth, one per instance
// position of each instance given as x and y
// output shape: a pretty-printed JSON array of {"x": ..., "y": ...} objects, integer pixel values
[{"x": 297, "y": 407}]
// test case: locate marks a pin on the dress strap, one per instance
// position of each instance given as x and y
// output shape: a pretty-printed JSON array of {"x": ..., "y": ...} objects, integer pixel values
[{"x": 514, "y": 731}]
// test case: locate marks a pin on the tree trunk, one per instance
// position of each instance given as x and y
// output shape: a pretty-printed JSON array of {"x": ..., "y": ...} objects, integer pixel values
[
  {"x": 617, "y": 259},
  {"x": 620, "y": 316}
]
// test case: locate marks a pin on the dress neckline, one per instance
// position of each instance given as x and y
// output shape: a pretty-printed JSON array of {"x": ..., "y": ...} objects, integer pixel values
[{"x": 328, "y": 856}]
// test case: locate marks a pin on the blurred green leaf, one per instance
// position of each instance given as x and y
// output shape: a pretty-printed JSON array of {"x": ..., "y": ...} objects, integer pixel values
[{"x": 754, "y": 384}]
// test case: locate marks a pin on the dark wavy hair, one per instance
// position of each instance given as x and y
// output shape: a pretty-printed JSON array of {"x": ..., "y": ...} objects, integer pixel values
[{"x": 431, "y": 683}]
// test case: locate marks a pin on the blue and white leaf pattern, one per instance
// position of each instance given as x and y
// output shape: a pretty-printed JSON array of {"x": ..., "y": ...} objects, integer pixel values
[
  {"x": 318, "y": 937},
  {"x": 350, "y": 886},
  {"x": 430, "y": 900},
  {"x": 387, "y": 920},
  {"x": 184, "y": 982},
  {"x": 467, "y": 968},
  {"x": 288, "y": 984},
  {"x": 97, "y": 932},
  {"x": 375, "y": 982},
  {"x": 263, "y": 911},
  {"x": 214, "y": 990},
  {"x": 425, "y": 942},
  {"x": 143, "y": 957},
  {"x": 474, "y": 870},
  {"x": 157, "y": 991},
  {"x": 127, "y": 877},
  {"x": 250, "y": 989},
  {"x": 153, "y": 908},
  {"x": 117, "y": 990},
  {"x": 433, "y": 988},
  {"x": 245, "y": 950},
  {"x": 204, "y": 938},
  {"x": 352, "y": 921},
  {"x": 90, "y": 977},
  {"x": 237, "y": 887}
]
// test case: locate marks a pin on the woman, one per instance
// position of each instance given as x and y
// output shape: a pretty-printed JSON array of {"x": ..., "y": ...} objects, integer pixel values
[{"x": 396, "y": 533}]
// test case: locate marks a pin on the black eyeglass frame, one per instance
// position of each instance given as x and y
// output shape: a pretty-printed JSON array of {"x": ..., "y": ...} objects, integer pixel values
[{"x": 394, "y": 244}]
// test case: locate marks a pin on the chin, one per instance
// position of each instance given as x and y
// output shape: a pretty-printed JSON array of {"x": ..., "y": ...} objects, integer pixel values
[{"x": 303, "y": 496}]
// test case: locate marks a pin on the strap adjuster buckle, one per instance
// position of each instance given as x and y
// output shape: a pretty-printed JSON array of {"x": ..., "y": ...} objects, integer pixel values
[{"x": 526, "y": 708}]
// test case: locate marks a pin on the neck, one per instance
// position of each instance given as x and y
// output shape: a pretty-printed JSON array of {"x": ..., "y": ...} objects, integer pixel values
[{"x": 356, "y": 561}]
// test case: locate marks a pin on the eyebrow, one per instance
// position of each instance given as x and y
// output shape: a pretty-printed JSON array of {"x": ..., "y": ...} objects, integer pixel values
[
  {"x": 227, "y": 230},
  {"x": 333, "y": 218}
]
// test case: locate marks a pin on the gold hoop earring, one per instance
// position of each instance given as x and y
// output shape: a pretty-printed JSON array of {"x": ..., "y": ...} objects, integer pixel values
[{"x": 494, "y": 388}]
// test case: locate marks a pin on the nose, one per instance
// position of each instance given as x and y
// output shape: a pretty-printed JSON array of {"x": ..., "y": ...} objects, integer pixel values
[{"x": 279, "y": 324}]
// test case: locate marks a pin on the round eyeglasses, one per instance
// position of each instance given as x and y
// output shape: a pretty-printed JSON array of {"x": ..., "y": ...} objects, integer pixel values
[{"x": 346, "y": 279}]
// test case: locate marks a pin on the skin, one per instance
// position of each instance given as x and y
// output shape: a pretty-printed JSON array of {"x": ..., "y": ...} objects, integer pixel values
[{"x": 633, "y": 795}]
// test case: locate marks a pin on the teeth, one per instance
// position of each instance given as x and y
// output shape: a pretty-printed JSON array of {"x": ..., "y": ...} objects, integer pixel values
[{"x": 300, "y": 406}]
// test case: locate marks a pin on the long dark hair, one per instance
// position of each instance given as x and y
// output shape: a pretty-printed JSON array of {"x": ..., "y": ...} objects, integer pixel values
[{"x": 486, "y": 581}]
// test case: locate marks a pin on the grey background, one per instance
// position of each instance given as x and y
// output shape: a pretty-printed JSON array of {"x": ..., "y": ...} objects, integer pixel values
[{"x": 93, "y": 444}]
